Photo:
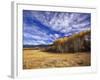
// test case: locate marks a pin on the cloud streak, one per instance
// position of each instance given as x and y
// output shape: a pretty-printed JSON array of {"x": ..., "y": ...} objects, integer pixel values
[{"x": 43, "y": 27}]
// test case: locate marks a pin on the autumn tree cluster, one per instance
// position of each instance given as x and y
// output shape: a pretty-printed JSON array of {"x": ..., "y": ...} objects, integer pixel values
[{"x": 80, "y": 42}]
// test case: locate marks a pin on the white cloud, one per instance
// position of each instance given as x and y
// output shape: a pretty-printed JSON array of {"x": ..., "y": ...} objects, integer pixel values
[
  {"x": 60, "y": 22},
  {"x": 56, "y": 35}
]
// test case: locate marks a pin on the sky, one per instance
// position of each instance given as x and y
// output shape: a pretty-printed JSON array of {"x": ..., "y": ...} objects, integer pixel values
[{"x": 44, "y": 27}]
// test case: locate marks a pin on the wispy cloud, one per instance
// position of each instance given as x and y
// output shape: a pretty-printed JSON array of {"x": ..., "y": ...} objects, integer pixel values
[{"x": 43, "y": 27}]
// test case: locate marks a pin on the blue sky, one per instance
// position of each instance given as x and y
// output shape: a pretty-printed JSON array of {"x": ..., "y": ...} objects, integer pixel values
[{"x": 44, "y": 27}]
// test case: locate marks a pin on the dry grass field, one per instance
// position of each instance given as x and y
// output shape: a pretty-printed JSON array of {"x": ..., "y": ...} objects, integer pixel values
[{"x": 33, "y": 59}]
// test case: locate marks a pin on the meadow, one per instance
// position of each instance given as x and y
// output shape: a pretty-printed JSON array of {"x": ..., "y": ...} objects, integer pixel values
[
  {"x": 36, "y": 58},
  {"x": 69, "y": 51}
]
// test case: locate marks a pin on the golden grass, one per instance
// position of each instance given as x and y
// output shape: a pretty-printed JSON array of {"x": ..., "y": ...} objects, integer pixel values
[{"x": 33, "y": 59}]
